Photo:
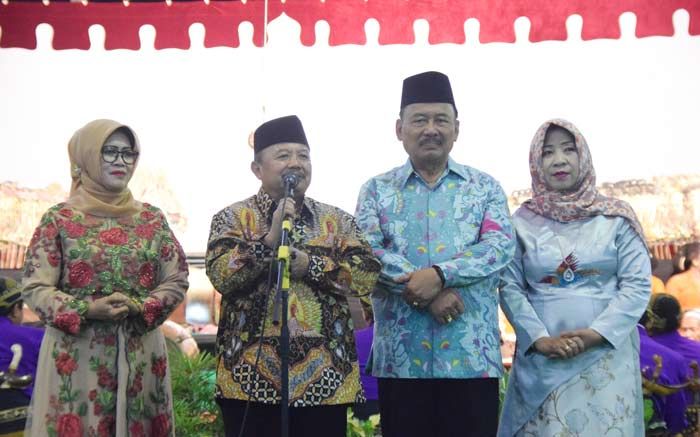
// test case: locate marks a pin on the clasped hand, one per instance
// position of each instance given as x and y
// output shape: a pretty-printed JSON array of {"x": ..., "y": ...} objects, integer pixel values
[
  {"x": 568, "y": 344},
  {"x": 424, "y": 289},
  {"x": 114, "y": 307}
]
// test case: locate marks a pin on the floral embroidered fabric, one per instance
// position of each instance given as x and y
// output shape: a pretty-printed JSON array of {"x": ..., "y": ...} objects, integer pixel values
[{"x": 88, "y": 367}]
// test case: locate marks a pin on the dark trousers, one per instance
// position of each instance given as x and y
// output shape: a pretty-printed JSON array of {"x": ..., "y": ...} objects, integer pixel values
[
  {"x": 264, "y": 420},
  {"x": 438, "y": 407},
  {"x": 366, "y": 409}
]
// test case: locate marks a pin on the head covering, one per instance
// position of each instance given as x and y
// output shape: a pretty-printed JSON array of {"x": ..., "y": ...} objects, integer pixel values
[
  {"x": 9, "y": 293},
  {"x": 428, "y": 87},
  {"x": 279, "y": 130},
  {"x": 584, "y": 200},
  {"x": 693, "y": 314},
  {"x": 86, "y": 192}
]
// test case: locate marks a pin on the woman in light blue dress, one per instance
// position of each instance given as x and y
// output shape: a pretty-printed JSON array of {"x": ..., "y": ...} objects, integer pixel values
[{"x": 578, "y": 284}]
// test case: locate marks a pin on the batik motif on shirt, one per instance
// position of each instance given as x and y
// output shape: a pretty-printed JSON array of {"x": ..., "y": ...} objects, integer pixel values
[
  {"x": 460, "y": 224},
  {"x": 323, "y": 360}
]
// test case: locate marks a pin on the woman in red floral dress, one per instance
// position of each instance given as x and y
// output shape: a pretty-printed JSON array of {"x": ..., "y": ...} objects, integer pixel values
[{"x": 103, "y": 271}]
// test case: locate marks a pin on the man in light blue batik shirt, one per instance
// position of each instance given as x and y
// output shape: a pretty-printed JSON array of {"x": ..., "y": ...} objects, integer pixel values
[{"x": 443, "y": 233}]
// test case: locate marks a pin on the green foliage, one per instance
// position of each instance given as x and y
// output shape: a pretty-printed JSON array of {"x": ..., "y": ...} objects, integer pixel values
[
  {"x": 193, "y": 382},
  {"x": 648, "y": 411},
  {"x": 502, "y": 387},
  {"x": 362, "y": 428}
]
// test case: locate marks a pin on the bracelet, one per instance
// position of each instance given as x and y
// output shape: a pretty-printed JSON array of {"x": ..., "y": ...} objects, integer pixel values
[
  {"x": 138, "y": 304},
  {"x": 440, "y": 274}
]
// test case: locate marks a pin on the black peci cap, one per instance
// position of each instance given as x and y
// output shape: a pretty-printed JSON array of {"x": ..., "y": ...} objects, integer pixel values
[{"x": 279, "y": 130}]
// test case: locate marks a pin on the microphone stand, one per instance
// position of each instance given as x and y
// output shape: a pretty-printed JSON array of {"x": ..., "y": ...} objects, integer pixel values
[{"x": 282, "y": 289}]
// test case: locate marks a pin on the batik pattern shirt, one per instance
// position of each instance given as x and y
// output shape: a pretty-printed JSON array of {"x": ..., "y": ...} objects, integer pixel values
[
  {"x": 94, "y": 377},
  {"x": 461, "y": 225},
  {"x": 323, "y": 368}
]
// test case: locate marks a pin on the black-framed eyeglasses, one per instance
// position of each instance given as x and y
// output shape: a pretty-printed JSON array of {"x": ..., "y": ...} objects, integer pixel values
[{"x": 110, "y": 155}]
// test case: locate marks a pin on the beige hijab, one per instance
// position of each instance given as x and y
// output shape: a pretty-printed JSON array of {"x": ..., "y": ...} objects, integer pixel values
[{"x": 86, "y": 193}]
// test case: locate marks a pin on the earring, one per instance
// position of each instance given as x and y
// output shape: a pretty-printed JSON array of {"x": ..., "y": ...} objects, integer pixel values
[{"x": 75, "y": 171}]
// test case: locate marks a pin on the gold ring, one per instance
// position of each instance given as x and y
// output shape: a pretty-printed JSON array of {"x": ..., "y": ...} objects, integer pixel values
[{"x": 449, "y": 319}]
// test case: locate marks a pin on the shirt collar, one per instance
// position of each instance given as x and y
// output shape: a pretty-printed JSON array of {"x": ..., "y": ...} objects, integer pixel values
[
  {"x": 267, "y": 205},
  {"x": 405, "y": 171}
]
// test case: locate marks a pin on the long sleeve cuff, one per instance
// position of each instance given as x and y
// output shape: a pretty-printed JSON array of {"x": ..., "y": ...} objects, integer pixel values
[
  {"x": 315, "y": 271},
  {"x": 72, "y": 320}
]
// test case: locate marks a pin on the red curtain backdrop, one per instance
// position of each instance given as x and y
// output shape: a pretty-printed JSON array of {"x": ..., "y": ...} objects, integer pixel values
[{"x": 346, "y": 18}]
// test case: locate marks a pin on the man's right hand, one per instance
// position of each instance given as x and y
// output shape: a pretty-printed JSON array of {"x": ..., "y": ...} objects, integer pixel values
[
  {"x": 114, "y": 307},
  {"x": 422, "y": 286},
  {"x": 285, "y": 208}
]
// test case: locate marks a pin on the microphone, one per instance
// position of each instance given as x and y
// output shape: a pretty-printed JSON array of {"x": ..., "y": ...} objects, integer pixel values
[{"x": 290, "y": 181}]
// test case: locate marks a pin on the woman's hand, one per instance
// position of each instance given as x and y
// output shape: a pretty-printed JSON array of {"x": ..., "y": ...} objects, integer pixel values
[
  {"x": 588, "y": 337},
  {"x": 559, "y": 347},
  {"x": 114, "y": 307},
  {"x": 134, "y": 307}
]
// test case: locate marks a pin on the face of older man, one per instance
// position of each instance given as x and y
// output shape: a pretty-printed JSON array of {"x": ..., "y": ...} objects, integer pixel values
[
  {"x": 278, "y": 160},
  {"x": 428, "y": 132},
  {"x": 690, "y": 327}
]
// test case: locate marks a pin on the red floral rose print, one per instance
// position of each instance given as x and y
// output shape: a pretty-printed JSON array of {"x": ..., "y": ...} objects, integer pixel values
[
  {"x": 136, "y": 387},
  {"x": 92, "y": 395},
  {"x": 152, "y": 310},
  {"x": 54, "y": 259},
  {"x": 165, "y": 252},
  {"x": 65, "y": 212},
  {"x": 106, "y": 426},
  {"x": 68, "y": 322},
  {"x": 80, "y": 274},
  {"x": 35, "y": 236},
  {"x": 50, "y": 231},
  {"x": 105, "y": 379},
  {"x": 109, "y": 340},
  {"x": 69, "y": 425},
  {"x": 146, "y": 231},
  {"x": 147, "y": 216},
  {"x": 147, "y": 276},
  {"x": 160, "y": 426},
  {"x": 159, "y": 366},
  {"x": 65, "y": 364},
  {"x": 74, "y": 230},
  {"x": 97, "y": 409},
  {"x": 114, "y": 237},
  {"x": 136, "y": 430}
]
